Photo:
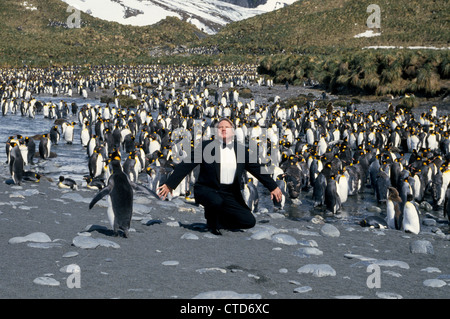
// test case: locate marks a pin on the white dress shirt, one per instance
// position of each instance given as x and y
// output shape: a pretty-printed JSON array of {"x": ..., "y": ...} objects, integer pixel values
[{"x": 227, "y": 165}]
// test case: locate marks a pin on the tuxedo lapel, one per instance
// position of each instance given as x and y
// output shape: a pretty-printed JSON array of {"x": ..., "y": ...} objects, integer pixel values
[{"x": 216, "y": 163}]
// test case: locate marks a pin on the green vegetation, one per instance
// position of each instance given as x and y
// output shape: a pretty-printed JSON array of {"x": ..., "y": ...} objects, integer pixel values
[
  {"x": 384, "y": 72},
  {"x": 42, "y": 38}
]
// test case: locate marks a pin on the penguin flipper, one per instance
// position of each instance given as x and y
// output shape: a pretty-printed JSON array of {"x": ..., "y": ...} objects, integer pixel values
[
  {"x": 144, "y": 189},
  {"x": 105, "y": 191}
]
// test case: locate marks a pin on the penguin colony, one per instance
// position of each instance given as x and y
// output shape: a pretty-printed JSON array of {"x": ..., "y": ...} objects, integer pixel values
[{"x": 325, "y": 155}]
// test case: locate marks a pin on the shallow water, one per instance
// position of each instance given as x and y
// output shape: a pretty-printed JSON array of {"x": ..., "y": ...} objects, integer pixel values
[{"x": 71, "y": 159}]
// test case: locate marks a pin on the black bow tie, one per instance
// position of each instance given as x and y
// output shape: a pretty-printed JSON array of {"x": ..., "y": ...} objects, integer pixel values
[{"x": 230, "y": 145}]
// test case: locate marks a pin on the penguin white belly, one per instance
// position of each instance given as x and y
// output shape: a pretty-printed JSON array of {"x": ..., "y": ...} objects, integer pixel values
[
  {"x": 342, "y": 188},
  {"x": 410, "y": 219},
  {"x": 390, "y": 214},
  {"x": 68, "y": 134},
  {"x": 110, "y": 213},
  {"x": 85, "y": 137}
]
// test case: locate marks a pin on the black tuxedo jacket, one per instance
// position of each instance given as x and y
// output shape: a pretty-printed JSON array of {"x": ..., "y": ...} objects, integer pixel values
[{"x": 209, "y": 176}]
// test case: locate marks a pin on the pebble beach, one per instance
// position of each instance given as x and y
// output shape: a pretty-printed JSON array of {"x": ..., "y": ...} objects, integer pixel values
[{"x": 53, "y": 246}]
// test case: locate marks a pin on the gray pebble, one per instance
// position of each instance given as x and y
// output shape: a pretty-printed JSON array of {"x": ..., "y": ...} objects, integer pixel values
[
  {"x": 309, "y": 243},
  {"x": 189, "y": 236},
  {"x": 44, "y": 245},
  {"x": 329, "y": 230},
  {"x": 317, "y": 270},
  {"x": 429, "y": 222},
  {"x": 46, "y": 281},
  {"x": 308, "y": 251},
  {"x": 70, "y": 254},
  {"x": 431, "y": 269},
  {"x": 226, "y": 294},
  {"x": 374, "y": 209},
  {"x": 37, "y": 237},
  {"x": 91, "y": 243},
  {"x": 388, "y": 295},
  {"x": 434, "y": 283},
  {"x": 284, "y": 239},
  {"x": 421, "y": 247},
  {"x": 302, "y": 289},
  {"x": 348, "y": 297}
]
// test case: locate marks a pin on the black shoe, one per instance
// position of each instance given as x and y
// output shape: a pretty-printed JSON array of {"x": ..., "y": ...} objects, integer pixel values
[{"x": 215, "y": 231}]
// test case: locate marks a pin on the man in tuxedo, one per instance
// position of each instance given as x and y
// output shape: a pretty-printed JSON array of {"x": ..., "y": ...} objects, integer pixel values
[{"x": 222, "y": 163}]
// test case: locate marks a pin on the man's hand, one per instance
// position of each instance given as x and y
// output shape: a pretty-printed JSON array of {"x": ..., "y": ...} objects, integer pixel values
[
  {"x": 277, "y": 194},
  {"x": 163, "y": 191}
]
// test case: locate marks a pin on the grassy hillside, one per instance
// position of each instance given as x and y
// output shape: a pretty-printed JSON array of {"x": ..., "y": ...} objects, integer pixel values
[
  {"x": 41, "y": 37},
  {"x": 324, "y": 25}
]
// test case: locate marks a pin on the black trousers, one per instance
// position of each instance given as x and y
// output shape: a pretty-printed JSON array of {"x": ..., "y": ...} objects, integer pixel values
[{"x": 223, "y": 209}]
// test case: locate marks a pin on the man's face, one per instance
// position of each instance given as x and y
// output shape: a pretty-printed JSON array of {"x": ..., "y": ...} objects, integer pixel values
[{"x": 225, "y": 131}]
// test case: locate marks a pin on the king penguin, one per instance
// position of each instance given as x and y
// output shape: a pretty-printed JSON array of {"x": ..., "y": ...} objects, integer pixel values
[
  {"x": 319, "y": 187},
  {"x": 250, "y": 195},
  {"x": 44, "y": 146},
  {"x": 332, "y": 200},
  {"x": 65, "y": 182},
  {"x": 411, "y": 223},
  {"x": 120, "y": 199},
  {"x": 31, "y": 146},
  {"x": 16, "y": 164},
  {"x": 393, "y": 213},
  {"x": 447, "y": 204}
]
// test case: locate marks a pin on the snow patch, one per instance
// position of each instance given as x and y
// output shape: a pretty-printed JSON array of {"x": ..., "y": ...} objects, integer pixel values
[
  {"x": 29, "y": 6},
  {"x": 204, "y": 14},
  {"x": 368, "y": 34}
]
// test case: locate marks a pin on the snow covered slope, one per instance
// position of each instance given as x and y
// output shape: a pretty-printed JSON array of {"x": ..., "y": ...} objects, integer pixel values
[{"x": 209, "y": 15}]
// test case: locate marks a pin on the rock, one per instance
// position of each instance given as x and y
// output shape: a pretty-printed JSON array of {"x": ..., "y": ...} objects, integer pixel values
[
  {"x": 329, "y": 230},
  {"x": 426, "y": 206},
  {"x": 317, "y": 270},
  {"x": 434, "y": 283},
  {"x": 44, "y": 245},
  {"x": 309, "y": 243},
  {"x": 429, "y": 222},
  {"x": 388, "y": 295},
  {"x": 391, "y": 263},
  {"x": 70, "y": 254},
  {"x": 302, "y": 289},
  {"x": 173, "y": 224},
  {"x": 91, "y": 243},
  {"x": 70, "y": 268},
  {"x": 374, "y": 209},
  {"x": 348, "y": 297},
  {"x": 431, "y": 269},
  {"x": 205, "y": 270},
  {"x": 421, "y": 247},
  {"x": 225, "y": 294},
  {"x": 46, "y": 281},
  {"x": 189, "y": 236},
  {"x": 284, "y": 239},
  {"x": 262, "y": 234},
  {"x": 36, "y": 237},
  {"x": 308, "y": 251},
  {"x": 276, "y": 215}
]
